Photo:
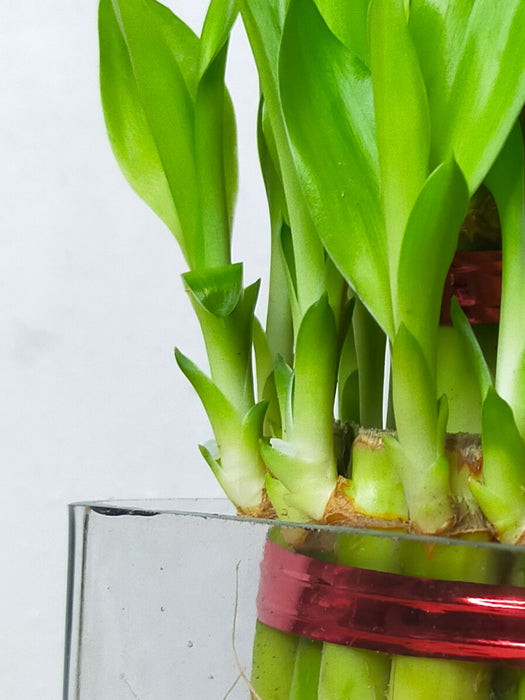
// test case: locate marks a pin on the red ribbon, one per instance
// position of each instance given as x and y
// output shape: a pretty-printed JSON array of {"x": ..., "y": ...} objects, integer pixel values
[
  {"x": 475, "y": 279},
  {"x": 391, "y": 613}
]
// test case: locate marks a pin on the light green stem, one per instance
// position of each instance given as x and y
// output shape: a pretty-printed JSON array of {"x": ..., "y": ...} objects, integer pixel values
[{"x": 273, "y": 662}]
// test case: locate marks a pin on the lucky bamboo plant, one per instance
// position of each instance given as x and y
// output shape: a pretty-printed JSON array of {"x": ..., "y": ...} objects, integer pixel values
[{"x": 383, "y": 124}]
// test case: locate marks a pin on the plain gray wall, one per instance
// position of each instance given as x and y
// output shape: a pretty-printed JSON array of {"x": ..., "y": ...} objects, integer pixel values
[{"x": 92, "y": 403}]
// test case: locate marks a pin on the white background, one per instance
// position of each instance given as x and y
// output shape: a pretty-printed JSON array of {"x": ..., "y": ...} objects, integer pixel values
[{"x": 92, "y": 403}]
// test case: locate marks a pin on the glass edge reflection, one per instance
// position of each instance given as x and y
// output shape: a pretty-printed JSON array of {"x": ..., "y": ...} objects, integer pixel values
[{"x": 154, "y": 507}]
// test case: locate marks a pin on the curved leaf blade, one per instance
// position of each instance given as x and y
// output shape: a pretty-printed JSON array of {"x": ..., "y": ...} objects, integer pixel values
[
  {"x": 429, "y": 244},
  {"x": 401, "y": 117},
  {"x": 348, "y": 21},
  {"x": 327, "y": 91},
  {"x": 217, "y": 289},
  {"x": 439, "y": 30},
  {"x": 167, "y": 106},
  {"x": 218, "y": 24},
  {"x": 127, "y": 125},
  {"x": 489, "y": 88},
  {"x": 502, "y": 496},
  {"x": 506, "y": 180},
  {"x": 213, "y": 241}
]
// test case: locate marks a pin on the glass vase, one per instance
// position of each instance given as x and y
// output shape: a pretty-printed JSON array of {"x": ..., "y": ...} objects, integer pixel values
[{"x": 164, "y": 598}]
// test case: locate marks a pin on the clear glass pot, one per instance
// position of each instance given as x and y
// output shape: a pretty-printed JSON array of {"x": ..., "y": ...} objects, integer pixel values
[{"x": 163, "y": 599}]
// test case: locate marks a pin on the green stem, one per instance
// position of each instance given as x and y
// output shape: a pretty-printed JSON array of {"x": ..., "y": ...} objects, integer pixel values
[
  {"x": 212, "y": 245},
  {"x": 426, "y": 679},
  {"x": 305, "y": 679},
  {"x": 309, "y": 256},
  {"x": 370, "y": 349},
  {"x": 357, "y": 674},
  {"x": 273, "y": 662},
  {"x": 228, "y": 341}
]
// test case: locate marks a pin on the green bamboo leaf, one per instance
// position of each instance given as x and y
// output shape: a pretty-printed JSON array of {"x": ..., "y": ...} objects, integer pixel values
[
  {"x": 285, "y": 243},
  {"x": 279, "y": 317},
  {"x": 252, "y": 425},
  {"x": 458, "y": 377},
  {"x": 128, "y": 129},
  {"x": 213, "y": 242},
  {"x": 348, "y": 21},
  {"x": 217, "y": 289},
  {"x": 471, "y": 347},
  {"x": 264, "y": 22},
  {"x": 284, "y": 463},
  {"x": 415, "y": 402},
  {"x": 228, "y": 337},
  {"x": 401, "y": 117},
  {"x": 326, "y": 90},
  {"x": 439, "y": 31},
  {"x": 166, "y": 103},
  {"x": 270, "y": 163},
  {"x": 215, "y": 140},
  {"x": 502, "y": 495},
  {"x": 263, "y": 356},
  {"x": 229, "y": 151},
  {"x": 429, "y": 244},
  {"x": 506, "y": 181},
  {"x": 315, "y": 373},
  {"x": 234, "y": 456},
  {"x": 218, "y": 24},
  {"x": 418, "y": 453},
  {"x": 183, "y": 42},
  {"x": 222, "y": 415},
  {"x": 272, "y": 421},
  {"x": 488, "y": 90},
  {"x": 284, "y": 379},
  {"x": 279, "y": 497}
]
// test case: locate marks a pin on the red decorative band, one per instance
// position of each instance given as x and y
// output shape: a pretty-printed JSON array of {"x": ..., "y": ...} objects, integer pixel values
[
  {"x": 475, "y": 279},
  {"x": 389, "y": 612}
]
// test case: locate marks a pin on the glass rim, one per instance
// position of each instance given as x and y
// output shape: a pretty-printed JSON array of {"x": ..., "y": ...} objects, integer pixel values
[{"x": 208, "y": 508}]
